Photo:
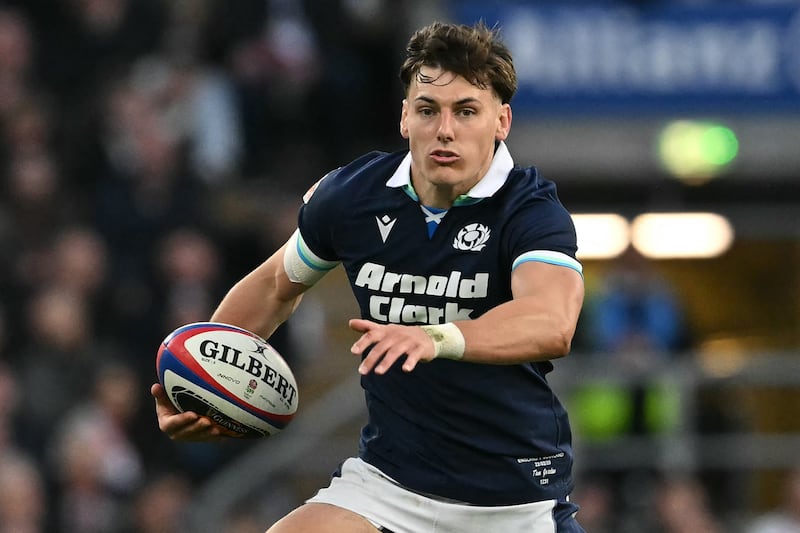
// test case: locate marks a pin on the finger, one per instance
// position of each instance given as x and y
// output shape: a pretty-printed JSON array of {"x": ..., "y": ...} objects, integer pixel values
[
  {"x": 191, "y": 433},
  {"x": 410, "y": 363},
  {"x": 383, "y": 356},
  {"x": 367, "y": 340},
  {"x": 157, "y": 390},
  {"x": 203, "y": 429},
  {"x": 389, "y": 358},
  {"x": 178, "y": 424},
  {"x": 185, "y": 426},
  {"x": 164, "y": 407},
  {"x": 369, "y": 362},
  {"x": 413, "y": 357},
  {"x": 170, "y": 419},
  {"x": 190, "y": 426},
  {"x": 359, "y": 324},
  {"x": 385, "y": 364}
]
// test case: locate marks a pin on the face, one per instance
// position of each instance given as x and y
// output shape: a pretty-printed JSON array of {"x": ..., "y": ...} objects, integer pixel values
[{"x": 451, "y": 127}]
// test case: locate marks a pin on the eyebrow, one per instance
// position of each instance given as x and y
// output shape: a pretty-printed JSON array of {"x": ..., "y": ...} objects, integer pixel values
[{"x": 463, "y": 101}]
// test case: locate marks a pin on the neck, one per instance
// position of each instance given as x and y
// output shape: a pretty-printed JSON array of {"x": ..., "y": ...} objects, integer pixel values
[{"x": 441, "y": 197}]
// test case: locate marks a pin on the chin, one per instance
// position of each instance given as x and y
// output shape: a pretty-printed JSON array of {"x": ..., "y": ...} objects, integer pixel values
[{"x": 443, "y": 175}]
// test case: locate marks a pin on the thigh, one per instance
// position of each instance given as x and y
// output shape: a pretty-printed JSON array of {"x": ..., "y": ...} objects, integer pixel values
[{"x": 322, "y": 518}]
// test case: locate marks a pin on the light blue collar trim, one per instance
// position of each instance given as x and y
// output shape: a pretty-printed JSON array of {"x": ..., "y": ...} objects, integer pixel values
[{"x": 490, "y": 183}]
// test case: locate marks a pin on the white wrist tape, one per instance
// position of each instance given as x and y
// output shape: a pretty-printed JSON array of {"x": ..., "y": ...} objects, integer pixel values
[{"x": 448, "y": 341}]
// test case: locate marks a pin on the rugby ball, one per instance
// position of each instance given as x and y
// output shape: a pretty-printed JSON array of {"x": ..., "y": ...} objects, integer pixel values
[{"x": 230, "y": 375}]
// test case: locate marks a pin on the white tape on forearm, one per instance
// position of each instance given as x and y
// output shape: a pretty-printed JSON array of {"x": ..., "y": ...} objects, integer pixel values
[{"x": 448, "y": 340}]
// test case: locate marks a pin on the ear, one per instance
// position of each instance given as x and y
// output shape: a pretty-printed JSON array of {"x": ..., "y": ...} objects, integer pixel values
[
  {"x": 404, "y": 120},
  {"x": 503, "y": 123}
]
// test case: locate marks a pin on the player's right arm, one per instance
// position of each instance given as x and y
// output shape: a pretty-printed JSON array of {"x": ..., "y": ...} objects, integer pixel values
[
  {"x": 259, "y": 302},
  {"x": 264, "y": 298}
]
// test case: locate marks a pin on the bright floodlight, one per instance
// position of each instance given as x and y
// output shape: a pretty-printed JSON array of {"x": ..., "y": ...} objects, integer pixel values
[
  {"x": 601, "y": 236},
  {"x": 681, "y": 235}
]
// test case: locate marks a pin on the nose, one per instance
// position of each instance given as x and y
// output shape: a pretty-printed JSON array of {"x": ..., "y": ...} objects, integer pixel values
[{"x": 445, "y": 131}]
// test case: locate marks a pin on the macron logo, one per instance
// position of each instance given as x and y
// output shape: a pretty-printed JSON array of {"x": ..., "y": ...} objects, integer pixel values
[{"x": 385, "y": 225}]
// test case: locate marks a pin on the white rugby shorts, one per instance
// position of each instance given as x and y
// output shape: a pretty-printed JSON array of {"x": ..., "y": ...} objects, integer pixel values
[{"x": 365, "y": 490}]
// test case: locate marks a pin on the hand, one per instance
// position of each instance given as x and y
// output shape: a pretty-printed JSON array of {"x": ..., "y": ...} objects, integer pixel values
[
  {"x": 186, "y": 426},
  {"x": 389, "y": 342}
]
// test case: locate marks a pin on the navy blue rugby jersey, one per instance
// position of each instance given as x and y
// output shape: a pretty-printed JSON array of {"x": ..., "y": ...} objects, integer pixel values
[{"x": 476, "y": 433}]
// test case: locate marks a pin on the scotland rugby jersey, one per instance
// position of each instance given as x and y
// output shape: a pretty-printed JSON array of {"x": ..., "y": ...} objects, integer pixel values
[{"x": 476, "y": 433}]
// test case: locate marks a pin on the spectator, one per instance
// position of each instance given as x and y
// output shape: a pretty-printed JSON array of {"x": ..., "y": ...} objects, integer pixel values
[
  {"x": 37, "y": 205},
  {"x": 681, "y": 506},
  {"x": 23, "y": 507},
  {"x": 86, "y": 43},
  {"x": 147, "y": 192},
  {"x": 198, "y": 106},
  {"x": 79, "y": 262},
  {"x": 190, "y": 269},
  {"x": 35, "y": 198},
  {"x": 16, "y": 60},
  {"x": 8, "y": 403},
  {"x": 594, "y": 496},
  {"x": 162, "y": 504},
  {"x": 118, "y": 120},
  {"x": 273, "y": 55},
  {"x": 637, "y": 314},
  {"x": 54, "y": 363},
  {"x": 634, "y": 322},
  {"x": 28, "y": 128},
  {"x": 358, "y": 70},
  {"x": 97, "y": 464}
]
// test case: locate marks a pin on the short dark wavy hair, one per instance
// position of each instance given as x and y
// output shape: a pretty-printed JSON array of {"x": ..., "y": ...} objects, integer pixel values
[{"x": 475, "y": 53}]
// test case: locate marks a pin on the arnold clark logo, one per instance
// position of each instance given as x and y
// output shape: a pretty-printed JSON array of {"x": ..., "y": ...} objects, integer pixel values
[
  {"x": 393, "y": 305},
  {"x": 472, "y": 238}
]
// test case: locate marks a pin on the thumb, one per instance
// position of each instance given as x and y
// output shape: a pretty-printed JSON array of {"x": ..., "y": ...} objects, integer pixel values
[
  {"x": 360, "y": 325},
  {"x": 163, "y": 404}
]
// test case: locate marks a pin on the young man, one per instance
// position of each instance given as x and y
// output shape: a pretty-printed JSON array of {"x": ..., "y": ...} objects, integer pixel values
[{"x": 464, "y": 269}]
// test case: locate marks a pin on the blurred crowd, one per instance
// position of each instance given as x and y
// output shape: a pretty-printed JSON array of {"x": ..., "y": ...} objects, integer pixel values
[{"x": 151, "y": 152}]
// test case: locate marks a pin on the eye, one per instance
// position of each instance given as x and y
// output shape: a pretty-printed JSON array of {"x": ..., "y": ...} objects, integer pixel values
[
  {"x": 466, "y": 112},
  {"x": 425, "y": 111}
]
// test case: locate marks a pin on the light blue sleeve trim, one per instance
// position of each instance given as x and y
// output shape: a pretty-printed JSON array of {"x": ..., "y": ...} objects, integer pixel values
[
  {"x": 549, "y": 257},
  {"x": 310, "y": 258},
  {"x": 301, "y": 264}
]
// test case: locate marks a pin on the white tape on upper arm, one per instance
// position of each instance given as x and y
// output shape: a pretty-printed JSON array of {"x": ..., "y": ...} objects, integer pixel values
[{"x": 301, "y": 264}]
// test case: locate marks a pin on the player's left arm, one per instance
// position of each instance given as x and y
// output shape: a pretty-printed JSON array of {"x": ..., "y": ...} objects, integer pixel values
[{"x": 536, "y": 325}]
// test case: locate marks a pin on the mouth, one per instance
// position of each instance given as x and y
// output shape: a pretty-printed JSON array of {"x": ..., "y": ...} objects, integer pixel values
[{"x": 444, "y": 157}]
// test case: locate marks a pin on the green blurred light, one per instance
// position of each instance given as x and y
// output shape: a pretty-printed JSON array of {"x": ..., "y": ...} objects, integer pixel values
[
  {"x": 697, "y": 149},
  {"x": 719, "y": 145}
]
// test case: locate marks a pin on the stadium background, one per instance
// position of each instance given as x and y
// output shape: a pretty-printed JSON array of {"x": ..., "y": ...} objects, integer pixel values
[{"x": 152, "y": 152}]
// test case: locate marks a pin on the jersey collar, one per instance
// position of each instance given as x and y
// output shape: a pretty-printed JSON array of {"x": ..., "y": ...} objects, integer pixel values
[{"x": 490, "y": 183}]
